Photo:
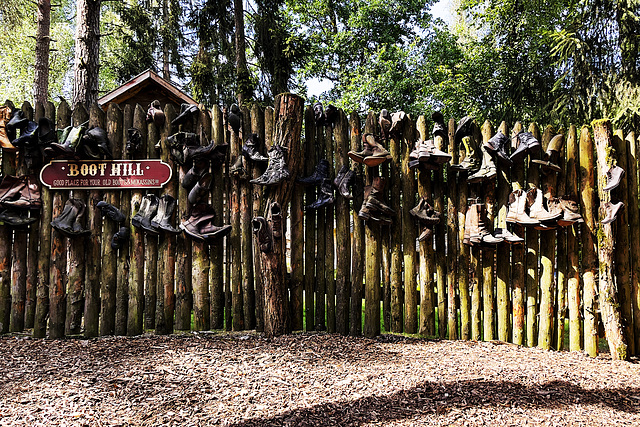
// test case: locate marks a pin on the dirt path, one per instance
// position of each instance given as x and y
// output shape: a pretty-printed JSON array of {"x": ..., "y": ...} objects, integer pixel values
[{"x": 307, "y": 380}]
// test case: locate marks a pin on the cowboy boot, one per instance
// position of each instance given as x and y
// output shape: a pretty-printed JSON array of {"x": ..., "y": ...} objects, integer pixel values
[
  {"x": 96, "y": 143},
  {"x": 373, "y": 202},
  {"x": 487, "y": 170},
  {"x": 162, "y": 221},
  {"x": 483, "y": 234},
  {"x": 397, "y": 124},
  {"x": 10, "y": 188},
  {"x": 497, "y": 145},
  {"x": 120, "y": 238},
  {"x": 385, "y": 123},
  {"x": 275, "y": 219},
  {"x": 46, "y": 132},
  {"x": 325, "y": 196},
  {"x": 516, "y": 210},
  {"x": 614, "y": 177},
  {"x": 344, "y": 181},
  {"x": 464, "y": 128},
  {"x": 527, "y": 144},
  {"x": 199, "y": 216},
  {"x": 261, "y": 230},
  {"x": 611, "y": 210},
  {"x": 16, "y": 218},
  {"x": 68, "y": 222},
  {"x": 535, "y": 200},
  {"x": 5, "y": 140},
  {"x": 320, "y": 173},
  {"x": 436, "y": 156},
  {"x": 148, "y": 209},
  {"x": 198, "y": 169},
  {"x": 507, "y": 236},
  {"x": 200, "y": 192},
  {"x": 276, "y": 171},
  {"x": 186, "y": 112},
  {"x": 70, "y": 138},
  {"x": 359, "y": 156},
  {"x": 234, "y": 118},
  {"x": 379, "y": 154},
  {"x": 237, "y": 168},
  {"x": 107, "y": 209},
  {"x": 550, "y": 158},
  {"x": 425, "y": 234},
  {"x": 471, "y": 161},
  {"x": 470, "y": 224},
  {"x": 25, "y": 193},
  {"x": 250, "y": 149},
  {"x": 18, "y": 121}
]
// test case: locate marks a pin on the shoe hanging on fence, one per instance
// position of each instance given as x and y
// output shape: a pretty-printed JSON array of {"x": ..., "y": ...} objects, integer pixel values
[
  {"x": 549, "y": 161},
  {"x": 614, "y": 177},
  {"x": 16, "y": 218},
  {"x": 234, "y": 118},
  {"x": 20, "y": 192},
  {"x": 425, "y": 212},
  {"x": 516, "y": 211},
  {"x": 96, "y": 143},
  {"x": 250, "y": 149},
  {"x": 439, "y": 128},
  {"x": 384, "y": 120},
  {"x": 134, "y": 141},
  {"x": 69, "y": 221},
  {"x": 187, "y": 111},
  {"x": 568, "y": 208},
  {"x": 398, "y": 120},
  {"x": 320, "y": 173},
  {"x": 471, "y": 162},
  {"x": 199, "y": 225},
  {"x": 68, "y": 142},
  {"x": 199, "y": 168},
  {"x": 325, "y": 197},
  {"x": 237, "y": 169},
  {"x": 612, "y": 210},
  {"x": 318, "y": 114},
  {"x": 260, "y": 228},
  {"x": 5, "y": 135},
  {"x": 107, "y": 209},
  {"x": 148, "y": 209},
  {"x": 507, "y": 236},
  {"x": 537, "y": 210},
  {"x": 464, "y": 128},
  {"x": 330, "y": 116},
  {"x": 344, "y": 180},
  {"x": 276, "y": 171},
  {"x": 120, "y": 238},
  {"x": 28, "y": 135},
  {"x": 18, "y": 121},
  {"x": 275, "y": 220},
  {"x": 487, "y": 170},
  {"x": 200, "y": 191},
  {"x": 497, "y": 145},
  {"x": 527, "y": 144},
  {"x": 161, "y": 222}
]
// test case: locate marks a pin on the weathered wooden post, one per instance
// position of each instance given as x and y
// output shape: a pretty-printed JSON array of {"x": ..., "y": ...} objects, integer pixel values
[
  {"x": 357, "y": 244},
  {"x": 573, "y": 266},
  {"x": 216, "y": 283},
  {"x": 246, "y": 250},
  {"x": 488, "y": 255},
  {"x": 607, "y": 295},
  {"x": 518, "y": 254},
  {"x": 439, "y": 233},
  {"x": 288, "y": 127},
  {"x": 310, "y": 222},
  {"x": 463, "y": 255},
  {"x": 634, "y": 230},
  {"x": 409, "y": 235},
  {"x": 503, "y": 259},
  {"x": 562, "y": 260},
  {"x": 397, "y": 292},
  {"x": 329, "y": 260},
  {"x": 452, "y": 238},
  {"x": 321, "y": 241},
  {"x": 123, "y": 203},
  {"x": 533, "y": 250},
  {"x": 475, "y": 283},
  {"x": 235, "y": 256}
]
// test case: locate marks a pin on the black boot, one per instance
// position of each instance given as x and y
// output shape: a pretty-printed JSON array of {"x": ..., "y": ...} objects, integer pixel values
[
  {"x": 134, "y": 141},
  {"x": 200, "y": 192},
  {"x": 250, "y": 149},
  {"x": 96, "y": 144},
  {"x": 197, "y": 171},
  {"x": 28, "y": 135},
  {"x": 110, "y": 211},
  {"x": 325, "y": 197},
  {"x": 46, "y": 132},
  {"x": 319, "y": 174},
  {"x": 344, "y": 181},
  {"x": 276, "y": 171},
  {"x": 528, "y": 144},
  {"x": 120, "y": 237},
  {"x": 497, "y": 145},
  {"x": 148, "y": 209},
  {"x": 162, "y": 220},
  {"x": 275, "y": 218},
  {"x": 186, "y": 112},
  {"x": 68, "y": 222},
  {"x": 234, "y": 117}
]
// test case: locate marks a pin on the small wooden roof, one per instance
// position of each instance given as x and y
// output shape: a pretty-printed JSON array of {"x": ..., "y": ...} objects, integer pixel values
[{"x": 144, "y": 89}]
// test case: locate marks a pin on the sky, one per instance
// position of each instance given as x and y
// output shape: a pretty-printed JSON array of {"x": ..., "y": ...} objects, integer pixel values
[{"x": 442, "y": 10}]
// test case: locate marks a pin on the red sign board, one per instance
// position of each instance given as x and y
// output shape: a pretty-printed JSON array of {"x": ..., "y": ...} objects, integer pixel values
[{"x": 105, "y": 174}]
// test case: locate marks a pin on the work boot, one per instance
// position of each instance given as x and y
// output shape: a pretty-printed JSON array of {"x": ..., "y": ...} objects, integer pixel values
[
  {"x": 67, "y": 147},
  {"x": 439, "y": 129},
  {"x": 378, "y": 155},
  {"x": 320, "y": 173},
  {"x": 186, "y": 112},
  {"x": 68, "y": 222},
  {"x": 318, "y": 114},
  {"x": 373, "y": 202},
  {"x": 107, "y": 209},
  {"x": 250, "y": 149},
  {"x": 479, "y": 234},
  {"x": 234, "y": 117},
  {"x": 569, "y": 208},
  {"x": 28, "y": 135},
  {"x": 359, "y": 156},
  {"x": 397, "y": 124},
  {"x": 614, "y": 177},
  {"x": 95, "y": 144},
  {"x": 275, "y": 218},
  {"x": 200, "y": 192},
  {"x": 276, "y": 171},
  {"x": 471, "y": 161},
  {"x": 46, "y": 132},
  {"x": 344, "y": 181},
  {"x": 5, "y": 140},
  {"x": 263, "y": 236},
  {"x": 197, "y": 171},
  {"x": 120, "y": 238},
  {"x": 516, "y": 211},
  {"x": 527, "y": 144},
  {"x": 464, "y": 128},
  {"x": 237, "y": 168},
  {"x": 330, "y": 116},
  {"x": 148, "y": 209},
  {"x": 535, "y": 200},
  {"x": 161, "y": 222},
  {"x": 134, "y": 141},
  {"x": 325, "y": 196},
  {"x": 155, "y": 114},
  {"x": 549, "y": 161},
  {"x": 425, "y": 212},
  {"x": 385, "y": 123},
  {"x": 611, "y": 210},
  {"x": 487, "y": 169},
  {"x": 507, "y": 236},
  {"x": 20, "y": 192},
  {"x": 497, "y": 145}
]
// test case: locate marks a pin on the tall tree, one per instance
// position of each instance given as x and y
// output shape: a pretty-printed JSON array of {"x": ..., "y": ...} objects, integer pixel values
[
  {"x": 244, "y": 84},
  {"x": 86, "y": 65},
  {"x": 41, "y": 80}
]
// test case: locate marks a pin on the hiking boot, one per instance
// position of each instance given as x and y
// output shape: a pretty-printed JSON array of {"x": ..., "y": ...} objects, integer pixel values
[
  {"x": 497, "y": 145},
  {"x": 250, "y": 149},
  {"x": 20, "y": 192},
  {"x": 614, "y": 177},
  {"x": 378, "y": 155},
  {"x": 148, "y": 209},
  {"x": 200, "y": 191},
  {"x": 68, "y": 222},
  {"x": 471, "y": 161},
  {"x": 318, "y": 114},
  {"x": 120, "y": 238},
  {"x": 535, "y": 200},
  {"x": 344, "y": 181},
  {"x": 5, "y": 139},
  {"x": 198, "y": 169},
  {"x": 155, "y": 114},
  {"x": 325, "y": 196},
  {"x": 134, "y": 141},
  {"x": 464, "y": 128},
  {"x": 372, "y": 201},
  {"x": 425, "y": 212},
  {"x": 237, "y": 168},
  {"x": 611, "y": 211},
  {"x": 186, "y": 112},
  {"x": 234, "y": 117},
  {"x": 161, "y": 222},
  {"x": 107, "y": 209},
  {"x": 516, "y": 210},
  {"x": 263, "y": 236},
  {"x": 549, "y": 161},
  {"x": 487, "y": 169},
  {"x": 527, "y": 144},
  {"x": 320, "y": 173},
  {"x": 507, "y": 236},
  {"x": 439, "y": 129},
  {"x": 275, "y": 219},
  {"x": 385, "y": 123},
  {"x": 330, "y": 116},
  {"x": 276, "y": 171}
]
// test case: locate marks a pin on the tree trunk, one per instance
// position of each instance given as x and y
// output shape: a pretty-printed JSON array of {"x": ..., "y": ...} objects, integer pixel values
[
  {"x": 573, "y": 266},
  {"x": 519, "y": 257},
  {"x": 634, "y": 229},
  {"x": 87, "y": 53},
  {"x": 242, "y": 72},
  {"x": 503, "y": 259},
  {"x": 41, "y": 65}
]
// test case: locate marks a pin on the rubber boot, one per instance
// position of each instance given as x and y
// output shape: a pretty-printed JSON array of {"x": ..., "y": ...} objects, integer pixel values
[
  {"x": 487, "y": 170},
  {"x": 516, "y": 210},
  {"x": 162, "y": 220},
  {"x": 549, "y": 161}
]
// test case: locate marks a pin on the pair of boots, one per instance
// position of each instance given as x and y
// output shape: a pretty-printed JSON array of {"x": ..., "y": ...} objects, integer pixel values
[
  {"x": 372, "y": 153},
  {"x": 391, "y": 125},
  {"x": 154, "y": 215},
  {"x": 69, "y": 221},
  {"x": 427, "y": 216},
  {"x": 277, "y": 170},
  {"x": 476, "y": 232},
  {"x": 266, "y": 230},
  {"x": 528, "y": 208},
  {"x": 327, "y": 117},
  {"x": 320, "y": 178},
  {"x": 373, "y": 207},
  {"x": 199, "y": 224},
  {"x": 426, "y": 154},
  {"x": 122, "y": 235}
]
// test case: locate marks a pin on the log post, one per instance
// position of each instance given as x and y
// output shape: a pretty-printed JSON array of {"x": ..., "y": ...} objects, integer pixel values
[
  {"x": 246, "y": 250},
  {"x": 409, "y": 243},
  {"x": 475, "y": 284},
  {"x": 503, "y": 251},
  {"x": 235, "y": 259},
  {"x": 310, "y": 279},
  {"x": 122, "y": 121},
  {"x": 152, "y": 284},
  {"x": 533, "y": 250},
  {"x": 488, "y": 255},
  {"x": 216, "y": 283},
  {"x": 228, "y": 293},
  {"x": 321, "y": 241},
  {"x": 288, "y": 128},
  {"x": 562, "y": 260},
  {"x": 634, "y": 231},
  {"x": 343, "y": 232},
  {"x": 397, "y": 295},
  {"x": 452, "y": 241},
  {"x": 357, "y": 243},
  {"x": 607, "y": 294},
  {"x": 329, "y": 259},
  {"x": 439, "y": 233},
  {"x": 372, "y": 257},
  {"x": 573, "y": 266},
  {"x": 518, "y": 254},
  {"x": 123, "y": 298},
  {"x": 427, "y": 296},
  {"x": 463, "y": 255}
]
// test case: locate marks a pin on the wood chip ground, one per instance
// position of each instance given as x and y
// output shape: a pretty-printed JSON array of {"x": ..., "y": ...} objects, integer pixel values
[{"x": 308, "y": 380}]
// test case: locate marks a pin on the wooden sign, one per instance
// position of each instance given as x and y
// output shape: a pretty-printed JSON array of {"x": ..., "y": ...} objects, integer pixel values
[{"x": 105, "y": 174}]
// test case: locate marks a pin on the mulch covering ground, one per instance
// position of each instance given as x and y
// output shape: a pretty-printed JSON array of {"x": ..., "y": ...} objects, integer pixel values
[{"x": 308, "y": 380}]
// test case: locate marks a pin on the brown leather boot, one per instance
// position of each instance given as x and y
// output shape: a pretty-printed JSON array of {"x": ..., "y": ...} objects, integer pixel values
[
  {"x": 516, "y": 211},
  {"x": 379, "y": 154},
  {"x": 535, "y": 200},
  {"x": 568, "y": 207},
  {"x": 5, "y": 142},
  {"x": 482, "y": 234}
]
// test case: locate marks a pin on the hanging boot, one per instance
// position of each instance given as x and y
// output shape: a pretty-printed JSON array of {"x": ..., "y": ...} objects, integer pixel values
[
  {"x": 344, "y": 181},
  {"x": 23, "y": 193},
  {"x": 384, "y": 120},
  {"x": 516, "y": 210},
  {"x": 10, "y": 188},
  {"x": 378, "y": 155},
  {"x": 234, "y": 118},
  {"x": 237, "y": 168},
  {"x": 16, "y": 218},
  {"x": 134, "y": 141},
  {"x": 155, "y": 115},
  {"x": 320, "y": 173},
  {"x": 276, "y": 171},
  {"x": 107, "y": 209},
  {"x": 497, "y": 145},
  {"x": 487, "y": 170},
  {"x": 425, "y": 212},
  {"x": 614, "y": 177},
  {"x": 507, "y": 236},
  {"x": 464, "y": 128},
  {"x": 439, "y": 129},
  {"x": 480, "y": 234},
  {"x": 95, "y": 144},
  {"x": 120, "y": 238},
  {"x": 359, "y": 156},
  {"x": 67, "y": 148},
  {"x": 46, "y": 132},
  {"x": 200, "y": 192},
  {"x": 198, "y": 169},
  {"x": 28, "y": 135},
  {"x": 535, "y": 200},
  {"x": 330, "y": 116},
  {"x": 186, "y": 112},
  {"x": 68, "y": 222},
  {"x": 318, "y": 114},
  {"x": 275, "y": 219},
  {"x": 426, "y": 233},
  {"x": 570, "y": 211},
  {"x": 5, "y": 141},
  {"x": 325, "y": 196},
  {"x": 470, "y": 224},
  {"x": 397, "y": 124},
  {"x": 263, "y": 237},
  {"x": 162, "y": 220},
  {"x": 471, "y": 162},
  {"x": 17, "y": 122},
  {"x": 549, "y": 161},
  {"x": 373, "y": 205},
  {"x": 177, "y": 143},
  {"x": 611, "y": 210},
  {"x": 250, "y": 149},
  {"x": 199, "y": 225},
  {"x": 527, "y": 144},
  {"x": 148, "y": 209}
]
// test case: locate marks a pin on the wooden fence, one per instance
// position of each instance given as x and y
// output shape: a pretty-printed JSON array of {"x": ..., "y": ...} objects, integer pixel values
[{"x": 344, "y": 275}]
